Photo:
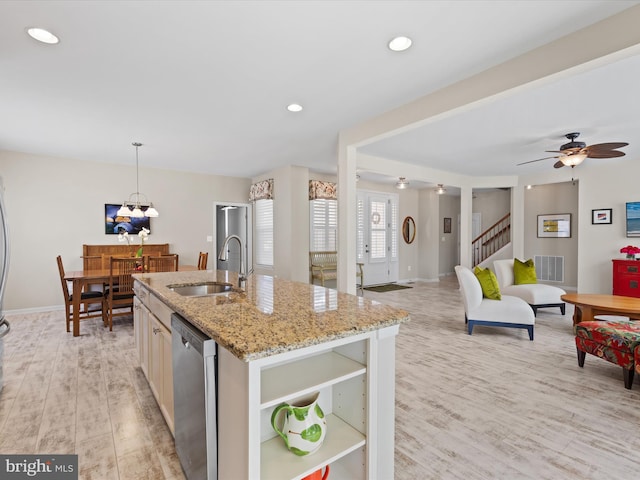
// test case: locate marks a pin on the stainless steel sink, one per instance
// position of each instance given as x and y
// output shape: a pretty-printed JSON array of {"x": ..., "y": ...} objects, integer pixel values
[{"x": 202, "y": 289}]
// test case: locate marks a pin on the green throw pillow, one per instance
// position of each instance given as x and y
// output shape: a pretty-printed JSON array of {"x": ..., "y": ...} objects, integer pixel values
[
  {"x": 488, "y": 282},
  {"x": 524, "y": 272}
]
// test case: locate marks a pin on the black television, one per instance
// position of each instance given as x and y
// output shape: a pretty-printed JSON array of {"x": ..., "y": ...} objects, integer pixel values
[{"x": 633, "y": 219}]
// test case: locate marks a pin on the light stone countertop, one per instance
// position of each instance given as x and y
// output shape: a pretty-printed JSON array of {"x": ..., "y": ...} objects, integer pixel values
[{"x": 271, "y": 315}]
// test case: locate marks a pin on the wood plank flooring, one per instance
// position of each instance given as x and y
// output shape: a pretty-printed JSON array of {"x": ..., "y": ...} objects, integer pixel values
[{"x": 488, "y": 406}]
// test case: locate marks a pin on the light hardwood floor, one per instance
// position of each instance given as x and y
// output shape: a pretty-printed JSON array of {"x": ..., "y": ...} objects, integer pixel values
[{"x": 488, "y": 406}]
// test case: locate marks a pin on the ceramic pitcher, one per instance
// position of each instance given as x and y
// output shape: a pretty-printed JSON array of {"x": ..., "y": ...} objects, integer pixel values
[{"x": 304, "y": 426}]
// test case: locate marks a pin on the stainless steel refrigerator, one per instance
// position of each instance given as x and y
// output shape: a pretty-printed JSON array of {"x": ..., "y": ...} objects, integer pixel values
[{"x": 4, "y": 269}]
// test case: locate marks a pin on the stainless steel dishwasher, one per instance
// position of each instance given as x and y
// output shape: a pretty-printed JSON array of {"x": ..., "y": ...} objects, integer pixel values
[{"x": 195, "y": 400}]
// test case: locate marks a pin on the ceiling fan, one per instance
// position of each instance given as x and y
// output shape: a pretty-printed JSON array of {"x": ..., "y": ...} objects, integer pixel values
[{"x": 573, "y": 153}]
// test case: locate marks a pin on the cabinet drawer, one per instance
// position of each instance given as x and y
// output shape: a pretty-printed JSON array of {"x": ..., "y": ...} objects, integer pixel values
[
  {"x": 160, "y": 310},
  {"x": 626, "y": 266},
  {"x": 141, "y": 292}
]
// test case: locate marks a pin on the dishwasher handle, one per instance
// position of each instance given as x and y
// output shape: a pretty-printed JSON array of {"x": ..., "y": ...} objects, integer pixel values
[{"x": 191, "y": 338}]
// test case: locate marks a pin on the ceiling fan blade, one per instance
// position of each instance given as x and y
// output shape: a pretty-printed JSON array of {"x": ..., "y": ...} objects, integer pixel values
[
  {"x": 566, "y": 151},
  {"x": 606, "y": 154},
  {"x": 607, "y": 146},
  {"x": 537, "y": 160},
  {"x": 558, "y": 164}
]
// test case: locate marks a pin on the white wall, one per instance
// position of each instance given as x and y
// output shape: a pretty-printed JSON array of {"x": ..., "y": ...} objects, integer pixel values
[
  {"x": 448, "y": 242},
  {"x": 606, "y": 184},
  {"x": 553, "y": 198},
  {"x": 492, "y": 205},
  {"x": 56, "y": 205},
  {"x": 291, "y": 223}
]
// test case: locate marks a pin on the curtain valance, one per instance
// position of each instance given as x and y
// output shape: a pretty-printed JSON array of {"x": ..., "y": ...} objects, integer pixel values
[
  {"x": 319, "y": 189},
  {"x": 262, "y": 190}
]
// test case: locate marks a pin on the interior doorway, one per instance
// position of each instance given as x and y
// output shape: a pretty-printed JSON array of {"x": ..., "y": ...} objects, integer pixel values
[{"x": 232, "y": 219}]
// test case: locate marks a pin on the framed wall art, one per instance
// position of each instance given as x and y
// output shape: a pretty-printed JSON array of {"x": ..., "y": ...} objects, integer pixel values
[
  {"x": 447, "y": 225},
  {"x": 114, "y": 224},
  {"x": 633, "y": 219},
  {"x": 554, "y": 225},
  {"x": 601, "y": 216}
]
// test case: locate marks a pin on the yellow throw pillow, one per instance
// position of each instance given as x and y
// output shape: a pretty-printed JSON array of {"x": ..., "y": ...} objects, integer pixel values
[
  {"x": 488, "y": 282},
  {"x": 524, "y": 272}
]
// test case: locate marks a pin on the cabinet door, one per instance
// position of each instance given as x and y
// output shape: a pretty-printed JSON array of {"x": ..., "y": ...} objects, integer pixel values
[
  {"x": 156, "y": 360},
  {"x": 137, "y": 326},
  {"x": 141, "y": 329},
  {"x": 167, "y": 379}
]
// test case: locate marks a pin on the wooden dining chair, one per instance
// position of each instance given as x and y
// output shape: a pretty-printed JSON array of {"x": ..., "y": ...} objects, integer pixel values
[
  {"x": 120, "y": 292},
  {"x": 86, "y": 299},
  {"x": 202, "y": 260},
  {"x": 163, "y": 263}
]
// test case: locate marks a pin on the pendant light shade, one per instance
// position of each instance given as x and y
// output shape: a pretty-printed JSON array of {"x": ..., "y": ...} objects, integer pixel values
[
  {"x": 573, "y": 160},
  {"x": 402, "y": 183},
  {"x": 134, "y": 207}
]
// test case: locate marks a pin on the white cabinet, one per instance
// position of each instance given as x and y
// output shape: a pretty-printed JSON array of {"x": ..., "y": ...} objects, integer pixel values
[
  {"x": 141, "y": 333},
  {"x": 152, "y": 331},
  {"x": 355, "y": 378}
]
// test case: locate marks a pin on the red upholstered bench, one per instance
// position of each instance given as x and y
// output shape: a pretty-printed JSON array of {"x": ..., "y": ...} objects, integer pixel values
[{"x": 615, "y": 341}]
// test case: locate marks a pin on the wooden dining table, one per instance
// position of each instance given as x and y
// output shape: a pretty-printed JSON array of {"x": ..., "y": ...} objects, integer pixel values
[{"x": 80, "y": 279}]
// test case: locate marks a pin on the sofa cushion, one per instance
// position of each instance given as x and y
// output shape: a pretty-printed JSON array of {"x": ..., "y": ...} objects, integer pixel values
[
  {"x": 507, "y": 310},
  {"x": 524, "y": 272},
  {"x": 488, "y": 282},
  {"x": 535, "y": 294}
]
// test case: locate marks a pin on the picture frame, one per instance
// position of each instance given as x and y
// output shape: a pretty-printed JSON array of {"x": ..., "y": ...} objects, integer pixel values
[
  {"x": 601, "y": 216},
  {"x": 554, "y": 225},
  {"x": 114, "y": 224},
  {"x": 633, "y": 219},
  {"x": 447, "y": 225}
]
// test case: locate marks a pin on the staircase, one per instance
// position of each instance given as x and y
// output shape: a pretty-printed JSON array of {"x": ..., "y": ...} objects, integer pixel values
[{"x": 491, "y": 240}]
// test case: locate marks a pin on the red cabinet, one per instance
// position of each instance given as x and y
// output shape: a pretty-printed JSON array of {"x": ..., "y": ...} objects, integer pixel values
[{"x": 626, "y": 278}]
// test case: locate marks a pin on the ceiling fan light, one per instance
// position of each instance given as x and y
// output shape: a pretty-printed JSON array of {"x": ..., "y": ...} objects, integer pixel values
[
  {"x": 441, "y": 190},
  {"x": 573, "y": 160}
]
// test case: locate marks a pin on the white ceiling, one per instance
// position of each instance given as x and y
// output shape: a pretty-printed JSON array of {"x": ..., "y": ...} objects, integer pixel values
[{"x": 204, "y": 85}]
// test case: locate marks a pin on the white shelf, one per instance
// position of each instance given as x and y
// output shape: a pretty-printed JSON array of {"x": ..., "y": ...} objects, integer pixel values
[
  {"x": 294, "y": 379},
  {"x": 278, "y": 463}
]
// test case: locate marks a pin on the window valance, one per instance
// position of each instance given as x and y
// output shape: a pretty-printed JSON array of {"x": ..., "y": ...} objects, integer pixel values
[
  {"x": 319, "y": 189},
  {"x": 262, "y": 190}
]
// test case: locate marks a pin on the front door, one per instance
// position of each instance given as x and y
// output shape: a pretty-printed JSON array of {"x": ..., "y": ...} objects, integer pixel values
[{"x": 377, "y": 236}]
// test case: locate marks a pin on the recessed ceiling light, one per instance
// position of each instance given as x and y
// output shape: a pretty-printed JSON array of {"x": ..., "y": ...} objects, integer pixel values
[
  {"x": 294, "y": 107},
  {"x": 42, "y": 35},
  {"x": 400, "y": 44}
]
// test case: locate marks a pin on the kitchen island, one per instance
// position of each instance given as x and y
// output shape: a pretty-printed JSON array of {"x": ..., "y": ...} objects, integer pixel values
[{"x": 278, "y": 341}]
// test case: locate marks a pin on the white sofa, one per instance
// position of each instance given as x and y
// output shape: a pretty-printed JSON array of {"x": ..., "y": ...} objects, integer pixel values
[
  {"x": 511, "y": 312},
  {"x": 537, "y": 295}
]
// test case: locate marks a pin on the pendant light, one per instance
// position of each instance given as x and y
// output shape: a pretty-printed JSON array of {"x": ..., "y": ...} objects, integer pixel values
[
  {"x": 133, "y": 208},
  {"x": 402, "y": 183}
]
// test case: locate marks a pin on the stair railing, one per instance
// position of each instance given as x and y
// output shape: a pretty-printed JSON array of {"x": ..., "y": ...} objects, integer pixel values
[{"x": 491, "y": 240}]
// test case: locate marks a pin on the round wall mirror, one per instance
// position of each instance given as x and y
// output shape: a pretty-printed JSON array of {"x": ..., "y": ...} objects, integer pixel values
[{"x": 408, "y": 229}]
